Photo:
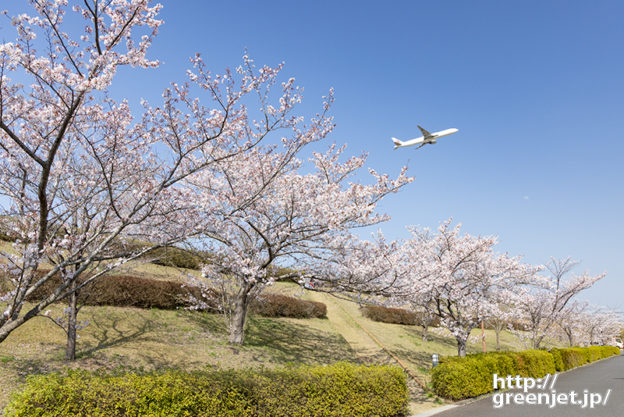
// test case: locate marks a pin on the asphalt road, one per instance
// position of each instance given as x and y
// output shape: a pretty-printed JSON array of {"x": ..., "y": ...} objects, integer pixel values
[{"x": 596, "y": 378}]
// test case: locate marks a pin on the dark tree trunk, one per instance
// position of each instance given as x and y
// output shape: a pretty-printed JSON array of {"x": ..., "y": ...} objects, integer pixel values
[
  {"x": 237, "y": 325},
  {"x": 537, "y": 342},
  {"x": 461, "y": 347},
  {"x": 70, "y": 349},
  {"x": 568, "y": 333},
  {"x": 425, "y": 332}
]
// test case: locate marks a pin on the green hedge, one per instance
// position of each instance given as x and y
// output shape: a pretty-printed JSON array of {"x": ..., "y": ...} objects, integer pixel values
[
  {"x": 278, "y": 305},
  {"x": 395, "y": 315},
  {"x": 340, "y": 390},
  {"x": 457, "y": 378},
  {"x": 577, "y": 356},
  {"x": 176, "y": 257}
]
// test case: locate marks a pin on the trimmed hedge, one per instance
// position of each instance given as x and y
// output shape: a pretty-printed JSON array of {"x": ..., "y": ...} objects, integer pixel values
[
  {"x": 134, "y": 291},
  {"x": 458, "y": 378},
  {"x": 277, "y": 305},
  {"x": 340, "y": 390},
  {"x": 166, "y": 255},
  {"x": 394, "y": 315},
  {"x": 176, "y": 257},
  {"x": 127, "y": 291},
  {"x": 390, "y": 315},
  {"x": 568, "y": 358}
]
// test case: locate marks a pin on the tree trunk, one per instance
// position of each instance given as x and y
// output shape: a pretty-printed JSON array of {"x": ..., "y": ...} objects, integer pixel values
[
  {"x": 570, "y": 337},
  {"x": 461, "y": 347},
  {"x": 237, "y": 324},
  {"x": 497, "y": 330},
  {"x": 70, "y": 349},
  {"x": 425, "y": 332},
  {"x": 538, "y": 341}
]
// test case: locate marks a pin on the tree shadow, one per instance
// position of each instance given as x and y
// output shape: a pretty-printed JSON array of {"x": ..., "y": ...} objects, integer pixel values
[
  {"x": 416, "y": 333},
  {"x": 24, "y": 367},
  {"x": 421, "y": 359},
  {"x": 107, "y": 333},
  {"x": 211, "y": 322},
  {"x": 285, "y": 342}
]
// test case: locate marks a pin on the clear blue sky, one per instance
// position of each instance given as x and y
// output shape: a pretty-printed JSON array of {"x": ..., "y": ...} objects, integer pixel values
[{"x": 534, "y": 87}]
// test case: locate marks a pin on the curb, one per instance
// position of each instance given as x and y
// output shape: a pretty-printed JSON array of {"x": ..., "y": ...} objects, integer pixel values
[{"x": 436, "y": 410}]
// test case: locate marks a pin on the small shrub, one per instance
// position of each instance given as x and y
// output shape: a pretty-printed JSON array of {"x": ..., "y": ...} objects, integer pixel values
[
  {"x": 166, "y": 256},
  {"x": 277, "y": 305},
  {"x": 126, "y": 291},
  {"x": 176, "y": 257},
  {"x": 340, "y": 390},
  {"x": 390, "y": 315}
]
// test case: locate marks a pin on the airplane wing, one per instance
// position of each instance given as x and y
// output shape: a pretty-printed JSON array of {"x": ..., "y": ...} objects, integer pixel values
[{"x": 426, "y": 134}]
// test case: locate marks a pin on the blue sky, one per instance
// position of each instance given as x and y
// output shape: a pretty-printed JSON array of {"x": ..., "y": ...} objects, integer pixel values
[{"x": 534, "y": 87}]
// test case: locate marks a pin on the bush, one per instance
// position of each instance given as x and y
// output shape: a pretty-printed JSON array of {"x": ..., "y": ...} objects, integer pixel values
[
  {"x": 471, "y": 376},
  {"x": 277, "y": 305},
  {"x": 557, "y": 357},
  {"x": 533, "y": 363},
  {"x": 134, "y": 291},
  {"x": 457, "y": 378},
  {"x": 394, "y": 315},
  {"x": 329, "y": 391},
  {"x": 176, "y": 257},
  {"x": 390, "y": 315},
  {"x": 126, "y": 291},
  {"x": 166, "y": 255},
  {"x": 577, "y": 356}
]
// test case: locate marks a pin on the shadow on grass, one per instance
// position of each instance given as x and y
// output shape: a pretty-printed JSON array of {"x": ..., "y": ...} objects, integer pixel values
[
  {"x": 210, "y": 322},
  {"x": 285, "y": 342},
  {"x": 24, "y": 367},
  {"x": 416, "y": 334},
  {"x": 107, "y": 332}
]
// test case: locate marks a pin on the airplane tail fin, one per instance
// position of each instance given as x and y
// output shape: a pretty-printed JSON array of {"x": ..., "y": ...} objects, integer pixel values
[{"x": 397, "y": 143}]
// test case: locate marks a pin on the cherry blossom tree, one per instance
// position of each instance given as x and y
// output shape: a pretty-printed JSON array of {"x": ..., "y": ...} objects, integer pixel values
[
  {"x": 256, "y": 229},
  {"x": 546, "y": 301},
  {"x": 599, "y": 325},
  {"x": 463, "y": 277},
  {"x": 570, "y": 321},
  {"x": 84, "y": 178},
  {"x": 424, "y": 304},
  {"x": 503, "y": 318}
]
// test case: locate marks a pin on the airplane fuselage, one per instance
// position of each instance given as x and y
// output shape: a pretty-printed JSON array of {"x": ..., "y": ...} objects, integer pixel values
[{"x": 432, "y": 139}]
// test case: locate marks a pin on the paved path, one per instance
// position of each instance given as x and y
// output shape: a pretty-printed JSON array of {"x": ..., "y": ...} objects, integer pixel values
[{"x": 598, "y": 378}]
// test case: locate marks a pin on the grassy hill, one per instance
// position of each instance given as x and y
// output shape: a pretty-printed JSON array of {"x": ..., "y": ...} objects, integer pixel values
[{"x": 158, "y": 339}]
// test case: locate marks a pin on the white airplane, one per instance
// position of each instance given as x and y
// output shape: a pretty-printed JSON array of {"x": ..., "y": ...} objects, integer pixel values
[{"x": 425, "y": 139}]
